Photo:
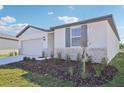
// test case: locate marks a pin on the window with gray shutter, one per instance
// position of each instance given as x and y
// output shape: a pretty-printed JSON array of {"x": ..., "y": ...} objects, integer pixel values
[
  {"x": 84, "y": 36},
  {"x": 67, "y": 37},
  {"x": 75, "y": 36}
]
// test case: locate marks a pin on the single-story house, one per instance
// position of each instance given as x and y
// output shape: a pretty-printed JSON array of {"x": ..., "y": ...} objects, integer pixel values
[
  {"x": 98, "y": 35},
  {"x": 8, "y": 43}
]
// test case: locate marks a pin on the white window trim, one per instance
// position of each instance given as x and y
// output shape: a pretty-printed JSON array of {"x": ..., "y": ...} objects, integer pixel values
[{"x": 73, "y": 37}]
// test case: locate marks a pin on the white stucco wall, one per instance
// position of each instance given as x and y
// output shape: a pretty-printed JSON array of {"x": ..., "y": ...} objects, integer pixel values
[
  {"x": 112, "y": 43},
  {"x": 97, "y": 41},
  {"x": 59, "y": 38},
  {"x": 97, "y": 35}
]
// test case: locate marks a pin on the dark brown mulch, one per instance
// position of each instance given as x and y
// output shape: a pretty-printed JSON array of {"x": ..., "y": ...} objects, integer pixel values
[{"x": 60, "y": 70}]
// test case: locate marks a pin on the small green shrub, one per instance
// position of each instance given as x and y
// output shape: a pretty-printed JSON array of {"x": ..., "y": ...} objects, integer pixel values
[
  {"x": 78, "y": 57},
  {"x": 43, "y": 54},
  {"x": 104, "y": 62},
  {"x": 98, "y": 69},
  {"x": 26, "y": 59},
  {"x": 11, "y": 54},
  {"x": 89, "y": 60},
  {"x": 70, "y": 70},
  {"x": 52, "y": 55},
  {"x": 59, "y": 55},
  {"x": 15, "y": 53},
  {"x": 55, "y": 60},
  {"x": 68, "y": 58},
  {"x": 45, "y": 58},
  {"x": 33, "y": 59}
]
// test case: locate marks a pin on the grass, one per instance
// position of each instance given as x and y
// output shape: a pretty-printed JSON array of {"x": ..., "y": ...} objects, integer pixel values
[
  {"x": 14, "y": 77},
  {"x": 4, "y": 55},
  {"x": 118, "y": 80},
  {"x": 122, "y": 50}
]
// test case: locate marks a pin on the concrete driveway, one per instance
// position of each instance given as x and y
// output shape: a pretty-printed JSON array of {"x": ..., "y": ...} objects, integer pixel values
[{"x": 11, "y": 59}]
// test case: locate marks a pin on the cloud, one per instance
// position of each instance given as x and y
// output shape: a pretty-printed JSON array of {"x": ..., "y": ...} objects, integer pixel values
[
  {"x": 6, "y": 26},
  {"x": 68, "y": 19},
  {"x": 50, "y": 13},
  {"x": 1, "y": 7},
  {"x": 7, "y": 19},
  {"x": 13, "y": 27},
  {"x": 71, "y": 7}
]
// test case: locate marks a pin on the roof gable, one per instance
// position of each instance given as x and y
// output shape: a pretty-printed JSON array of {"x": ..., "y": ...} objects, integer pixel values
[{"x": 27, "y": 27}]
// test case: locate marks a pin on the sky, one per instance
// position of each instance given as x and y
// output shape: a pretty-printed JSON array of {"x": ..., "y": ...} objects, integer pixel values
[{"x": 14, "y": 18}]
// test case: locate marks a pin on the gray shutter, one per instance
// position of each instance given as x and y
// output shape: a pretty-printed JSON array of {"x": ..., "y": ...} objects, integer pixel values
[
  {"x": 84, "y": 36},
  {"x": 67, "y": 37}
]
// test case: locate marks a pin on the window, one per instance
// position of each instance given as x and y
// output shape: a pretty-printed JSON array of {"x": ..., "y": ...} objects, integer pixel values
[
  {"x": 75, "y": 37},
  {"x": 76, "y": 32}
]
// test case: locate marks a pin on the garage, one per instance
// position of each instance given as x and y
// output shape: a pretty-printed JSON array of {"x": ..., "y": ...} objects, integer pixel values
[
  {"x": 32, "y": 47},
  {"x": 33, "y": 41}
]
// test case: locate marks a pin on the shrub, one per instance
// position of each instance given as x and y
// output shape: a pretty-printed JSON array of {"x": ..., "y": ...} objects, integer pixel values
[
  {"x": 45, "y": 58},
  {"x": 11, "y": 54},
  {"x": 104, "y": 62},
  {"x": 68, "y": 58},
  {"x": 70, "y": 71},
  {"x": 33, "y": 59},
  {"x": 26, "y": 59},
  {"x": 98, "y": 70},
  {"x": 89, "y": 60},
  {"x": 59, "y": 55},
  {"x": 56, "y": 60},
  {"x": 78, "y": 57},
  {"x": 52, "y": 55},
  {"x": 15, "y": 53},
  {"x": 43, "y": 54}
]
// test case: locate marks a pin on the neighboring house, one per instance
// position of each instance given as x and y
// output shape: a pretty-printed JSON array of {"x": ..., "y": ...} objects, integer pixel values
[
  {"x": 98, "y": 35},
  {"x": 8, "y": 43}
]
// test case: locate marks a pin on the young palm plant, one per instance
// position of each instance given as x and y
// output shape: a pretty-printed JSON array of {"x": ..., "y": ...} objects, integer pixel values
[{"x": 84, "y": 58}]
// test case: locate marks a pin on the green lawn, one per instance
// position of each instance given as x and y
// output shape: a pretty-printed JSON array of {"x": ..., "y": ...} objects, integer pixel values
[
  {"x": 118, "y": 80},
  {"x": 15, "y": 77},
  {"x": 19, "y": 78},
  {"x": 4, "y": 55}
]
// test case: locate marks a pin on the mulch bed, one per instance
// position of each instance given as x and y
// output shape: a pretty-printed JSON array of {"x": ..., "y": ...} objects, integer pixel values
[{"x": 60, "y": 70}]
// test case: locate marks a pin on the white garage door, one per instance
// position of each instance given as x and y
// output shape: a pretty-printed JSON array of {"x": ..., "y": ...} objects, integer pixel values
[{"x": 32, "y": 47}]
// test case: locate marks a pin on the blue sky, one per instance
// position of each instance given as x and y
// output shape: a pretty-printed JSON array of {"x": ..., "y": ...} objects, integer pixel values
[{"x": 14, "y": 18}]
